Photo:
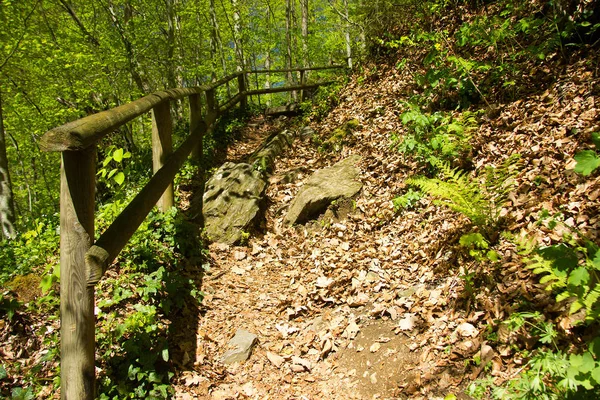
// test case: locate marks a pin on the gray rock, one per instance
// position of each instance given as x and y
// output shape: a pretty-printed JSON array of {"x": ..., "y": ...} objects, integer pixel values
[
  {"x": 234, "y": 194},
  {"x": 232, "y": 201},
  {"x": 264, "y": 157},
  {"x": 306, "y": 132},
  {"x": 323, "y": 187},
  {"x": 240, "y": 347}
]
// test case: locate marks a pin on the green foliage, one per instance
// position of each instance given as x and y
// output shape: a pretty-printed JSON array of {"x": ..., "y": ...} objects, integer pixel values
[
  {"x": 588, "y": 160},
  {"x": 570, "y": 269},
  {"x": 8, "y": 305},
  {"x": 29, "y": 251},
  {"x": 339, "y": 136},
  {"x": 480, "y": 199},
  {"x": 408, "y": 200},
  {"x": 436, "y": 136},
  {"x": 131, "y": 338},
  {"x": 112, "y": 170},
  {"x": 550, "y": 373},
  {"x": 478, "y": 247},
  {"x": 322, "y": 102}
]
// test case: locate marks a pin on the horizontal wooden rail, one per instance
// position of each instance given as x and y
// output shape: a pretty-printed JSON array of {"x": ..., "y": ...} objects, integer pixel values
[
  {"x": 82, "y": 133},
  {"x": 82, "y": 262},
  {"x": 112, "y": 241},
  {"x": 275, "y": 71},
  {"x": 288, "y": 88}
]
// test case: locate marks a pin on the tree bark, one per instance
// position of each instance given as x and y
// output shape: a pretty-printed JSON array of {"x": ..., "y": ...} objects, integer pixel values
[
  {"x": 216, "y": 46},
  {"x": 347, "y": 36},
  {"x": 237, "y": 36},
  {"x": 288, "y": 39},
  {"x": 305, "y": 55},
  {"x": 7, "y": 205}
]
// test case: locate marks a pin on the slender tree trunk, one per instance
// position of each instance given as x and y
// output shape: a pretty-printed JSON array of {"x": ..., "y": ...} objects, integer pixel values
[
  {"x": 237, "y": 36},
  {"x": 305, "y": 56},
  {"x": 7, "y": 205},
  {"x": 268, "y": 53},
  {"x": 170, "y": 37},
  {"x": 289, "y": 44},
  {"x": 134, "y": 67},
  {"x": 347, "y": 36},
  {"x": 216, "y": 46},
  {"x": 213, "y": 40}
]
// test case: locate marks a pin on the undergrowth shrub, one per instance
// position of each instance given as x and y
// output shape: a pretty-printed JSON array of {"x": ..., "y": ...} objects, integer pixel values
[
  {"x": 480, "y": 199},
  {"x": 435, "y": 136},
  {"x": 151, "y": 286}
]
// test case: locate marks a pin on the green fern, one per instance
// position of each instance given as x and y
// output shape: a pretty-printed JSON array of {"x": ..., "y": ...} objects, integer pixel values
[{"x": 480, "y": 199}]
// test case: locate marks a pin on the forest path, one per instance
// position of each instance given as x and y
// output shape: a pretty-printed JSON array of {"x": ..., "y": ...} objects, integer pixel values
[
  {"x": 322, "y": 297},
  {"x": 368, "y": 302}
]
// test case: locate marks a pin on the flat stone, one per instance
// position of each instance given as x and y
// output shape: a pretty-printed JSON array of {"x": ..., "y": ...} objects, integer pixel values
[
  {"x": 240, "y": 347},
  {"x": 322, "y": 188},
  {"x": 232, "y": 201}
]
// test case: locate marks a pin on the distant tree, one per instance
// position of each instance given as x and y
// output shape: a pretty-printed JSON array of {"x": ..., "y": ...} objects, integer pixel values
[{"x": 7, "y": 206}]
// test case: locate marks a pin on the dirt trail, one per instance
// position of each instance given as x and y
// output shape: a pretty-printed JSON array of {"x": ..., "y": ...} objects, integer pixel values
[
  {"x": 370, "y": 303},
  {"x": 316, "y": 296}
]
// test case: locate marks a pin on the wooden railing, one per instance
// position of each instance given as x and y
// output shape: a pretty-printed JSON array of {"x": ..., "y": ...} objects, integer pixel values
[{"x": 83, "y": 261}]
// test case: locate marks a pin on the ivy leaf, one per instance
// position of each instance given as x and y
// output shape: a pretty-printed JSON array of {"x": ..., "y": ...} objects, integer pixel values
[
  {"x": 3, "y": 373},
  {"x": 165, "y": 355},
  {"x": 587, "y": 162},
  {"x": 119, "y": 178}
]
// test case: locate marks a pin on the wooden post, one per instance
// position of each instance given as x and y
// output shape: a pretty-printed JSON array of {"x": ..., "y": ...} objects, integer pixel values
[
  {"x": 77, "y": 187},
  {"x": 242, "y": 89},
  {"x": 195, "y": 121},
  {"x": 302, "y": 92},
  {"x": 212, "y": 108},
  {"x": 162, "y": 147}
]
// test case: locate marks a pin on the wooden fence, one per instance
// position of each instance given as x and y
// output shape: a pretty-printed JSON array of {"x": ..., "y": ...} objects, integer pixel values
[{"x": 83, "y": 261}]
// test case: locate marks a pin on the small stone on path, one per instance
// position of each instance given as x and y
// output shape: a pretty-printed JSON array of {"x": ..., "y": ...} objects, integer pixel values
[{"x": 241, "y": 346}]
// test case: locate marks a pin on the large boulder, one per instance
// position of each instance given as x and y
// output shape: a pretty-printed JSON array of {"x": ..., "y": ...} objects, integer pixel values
[
  {"x": 232, "y": 201},
  {"x": 264, "y": 157},
  {"x": 322, "y": 188}
]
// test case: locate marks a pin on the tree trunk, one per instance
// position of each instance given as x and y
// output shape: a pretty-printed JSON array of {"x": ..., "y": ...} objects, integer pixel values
[
  {"x": 134, "y": 67},
  {"x": 7, "y": 205},
  {"x": 347, "y": 36},
  {"x": 216, "y": 46},
  {"x": 305, "y": 56},
  {"x": 237, "y": 36},
  {"x": 288, "y": 39}
]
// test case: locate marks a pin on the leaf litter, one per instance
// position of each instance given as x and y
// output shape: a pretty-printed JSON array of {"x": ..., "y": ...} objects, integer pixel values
[{"x": 335, "y": 300}]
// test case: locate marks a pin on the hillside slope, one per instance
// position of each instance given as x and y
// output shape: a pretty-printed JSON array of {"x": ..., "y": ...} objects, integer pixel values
[{"x": 386, "y": 302}]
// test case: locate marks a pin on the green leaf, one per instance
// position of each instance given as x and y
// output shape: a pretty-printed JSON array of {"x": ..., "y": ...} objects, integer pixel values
[
  {"x": 117, "y": 155},
  {"x": 119, "y": 178},
  {"x": 474, "y": 238},
  {"x": 165, "y": 355},
  {"x": 596, "y": 140},
  {"x": 587, "y": 162},
  {"x": 492, "y": 255},
  {"x": 595, "y": 261},
  {"x": 112, "y": 172},
  {"x": 561, "y": 256},
  {"x": 3, "y": 373},
  {"x": 107, "y": 160},
  {"x": 587, "y": 363},
  {"x": 579, "y": 276},
  {"x": 596, "y": 374}
]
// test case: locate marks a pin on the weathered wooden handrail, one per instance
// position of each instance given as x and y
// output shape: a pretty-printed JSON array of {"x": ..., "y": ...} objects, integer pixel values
[{"x": 82, "y": 262}]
